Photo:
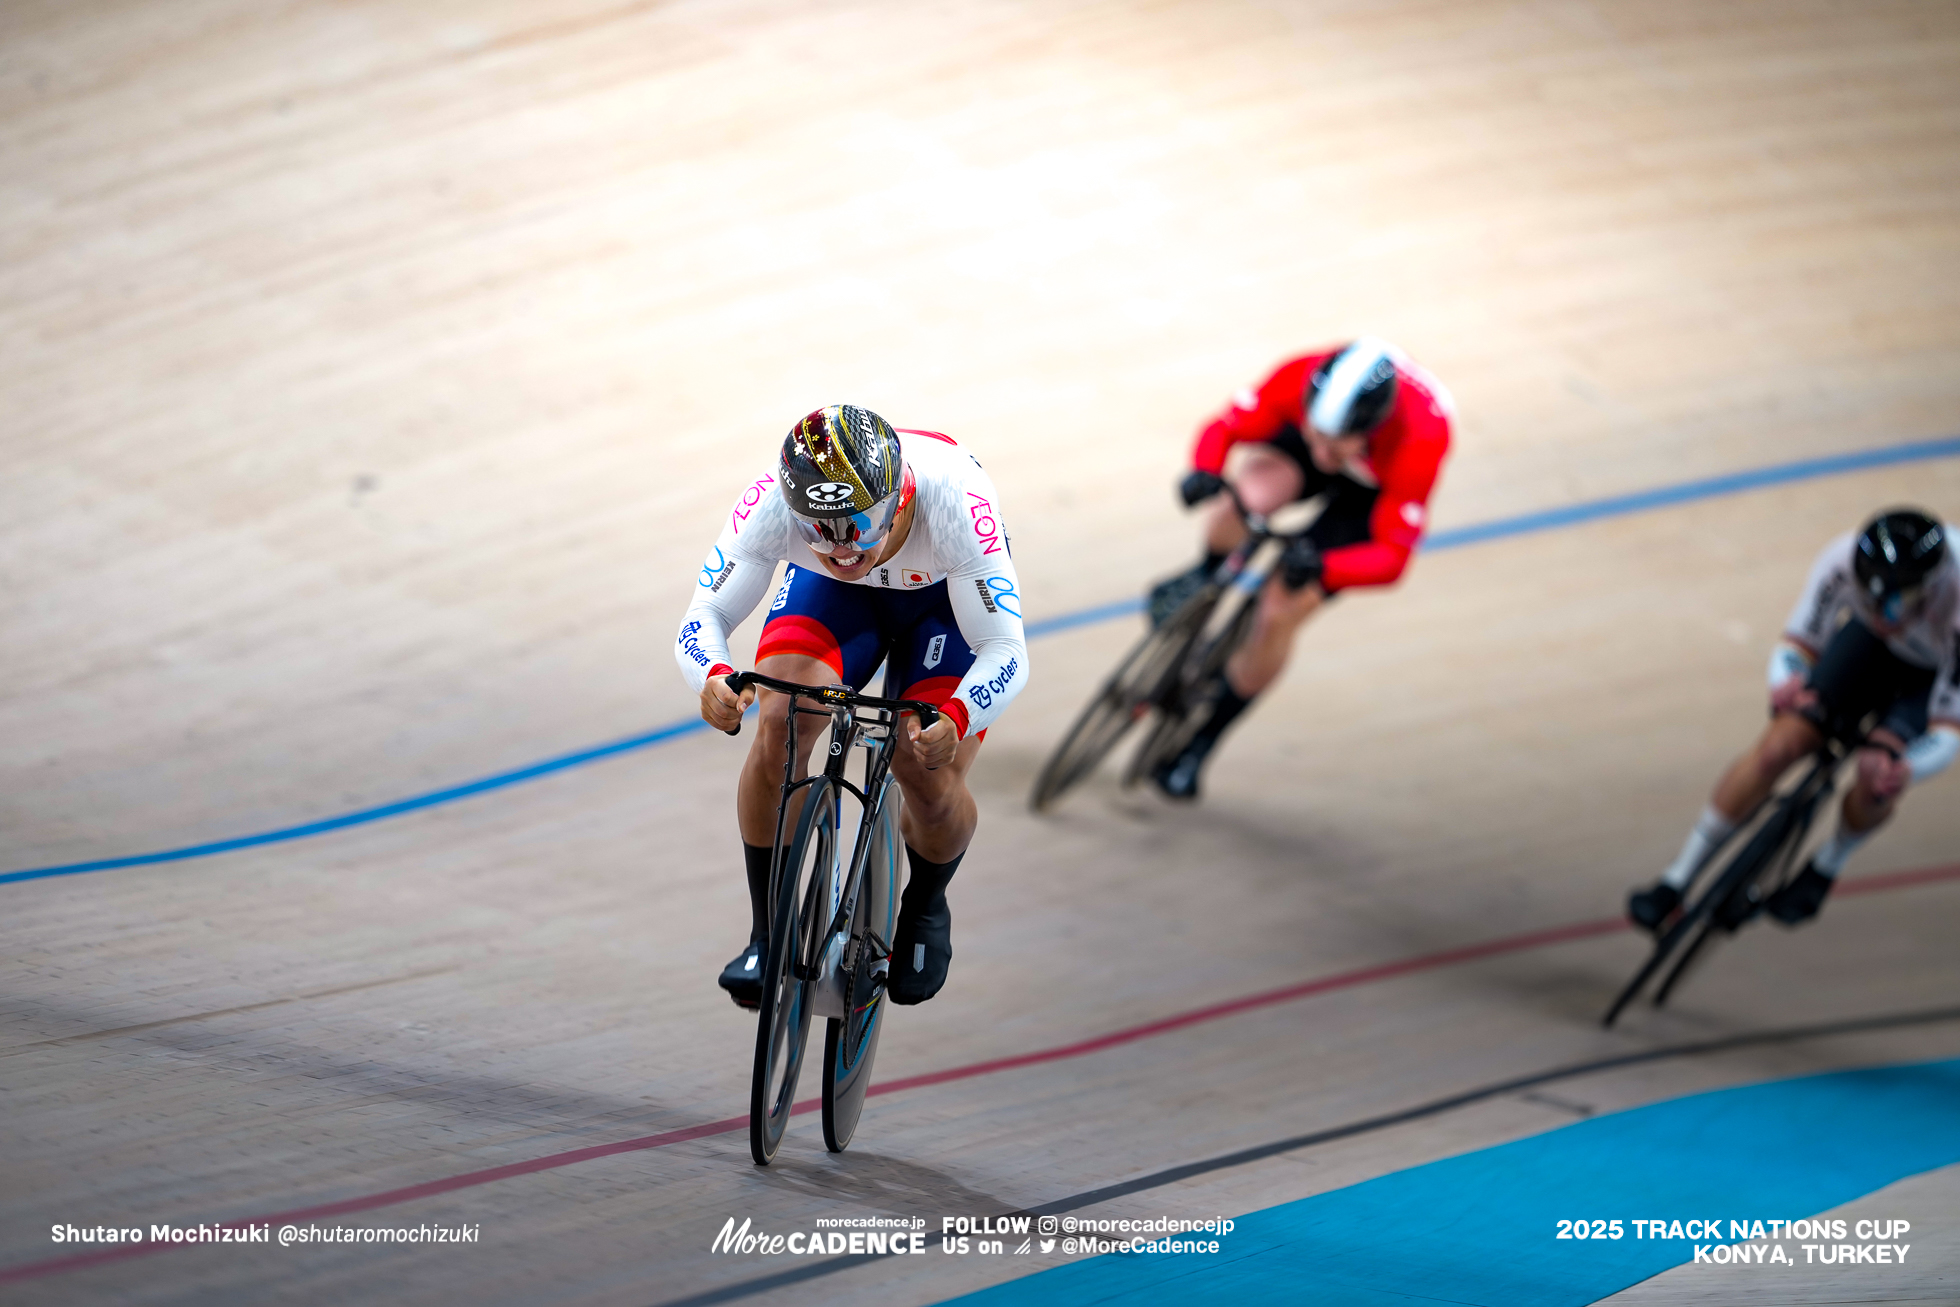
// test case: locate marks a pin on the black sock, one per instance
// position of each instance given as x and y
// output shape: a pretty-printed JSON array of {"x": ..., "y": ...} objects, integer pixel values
[
  {"x": 925, "y": 888},
  {"x": 1227, "y": 704},
  {"x": 757, "y": 858}
]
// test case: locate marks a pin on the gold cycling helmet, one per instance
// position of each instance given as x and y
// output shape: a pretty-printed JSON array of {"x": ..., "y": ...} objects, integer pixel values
[{"x": 844, "y": 478}]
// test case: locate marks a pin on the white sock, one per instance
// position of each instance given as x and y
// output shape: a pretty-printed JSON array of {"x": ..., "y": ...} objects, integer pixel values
[
  {"x": 1710, "y": 830},
  {"x": 1829, "y": 860}
]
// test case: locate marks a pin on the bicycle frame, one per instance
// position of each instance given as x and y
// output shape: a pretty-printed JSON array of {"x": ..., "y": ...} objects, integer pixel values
[
  {"x": 1178, "y": 654},
  {"x": 1765, "y": 858},
  {"x": 1240, "y": 578},
  {"x": 1248, "y": 567},
  {"x": 823, "y": 948}
]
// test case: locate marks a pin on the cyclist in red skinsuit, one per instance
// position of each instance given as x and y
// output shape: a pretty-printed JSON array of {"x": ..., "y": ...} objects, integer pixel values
[{"x": 1360, "y": 424}]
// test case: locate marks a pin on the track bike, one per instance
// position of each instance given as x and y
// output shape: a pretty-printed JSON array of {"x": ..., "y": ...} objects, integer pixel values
[
  {"x": 832, "y": 916},
  {"x": 1766, "y": 861},
  {"x": 1166, "y": 678}
]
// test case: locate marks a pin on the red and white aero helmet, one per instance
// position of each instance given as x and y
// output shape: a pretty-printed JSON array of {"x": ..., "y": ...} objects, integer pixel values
[{"x": 1353, "y": 392}]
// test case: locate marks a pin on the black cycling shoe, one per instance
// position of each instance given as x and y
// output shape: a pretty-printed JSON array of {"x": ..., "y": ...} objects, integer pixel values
[
  {"x": 1169, "y": 595},
  {"x": 1800, "y": 899},
  {"x": 742, "y": 977},
  {"x": 921, "y": 954},
  {"x": 1178, "y": 778},
  {"x": 1650, "y": 908}
]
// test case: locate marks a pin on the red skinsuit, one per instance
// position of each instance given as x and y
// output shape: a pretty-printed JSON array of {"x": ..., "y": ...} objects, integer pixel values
[{"x": 1404, "y": 454}]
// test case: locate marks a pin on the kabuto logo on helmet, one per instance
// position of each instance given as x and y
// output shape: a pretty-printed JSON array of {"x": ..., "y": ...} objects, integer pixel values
[
  {"x": 828, "y": 492},
  {"x": 839, "y": 459}
]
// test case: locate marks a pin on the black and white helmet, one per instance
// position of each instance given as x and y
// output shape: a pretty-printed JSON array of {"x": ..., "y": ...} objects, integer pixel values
[
  {"x": 1353, "y": 392},
  {"x": 1896, "y": 556}
]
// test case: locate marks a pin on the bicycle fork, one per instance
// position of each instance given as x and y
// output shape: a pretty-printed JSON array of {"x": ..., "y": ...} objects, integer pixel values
[{"x": 834, "y": 951}]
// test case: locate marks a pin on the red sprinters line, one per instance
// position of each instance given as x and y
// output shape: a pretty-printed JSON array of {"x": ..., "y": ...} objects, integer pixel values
[
  {"x": 1898, "y": 880},
  {"x": 1197, "y": 1016}
]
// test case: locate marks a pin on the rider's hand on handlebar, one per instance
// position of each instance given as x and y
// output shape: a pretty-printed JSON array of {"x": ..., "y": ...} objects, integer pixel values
[
  {"x": 936, "y": 744},
  {"x": 1881, "y": 768},
  {"x": 1300, "y": 565},
  {"x": 1198, "y": 486},
  {"x": 1792, "y": 695},
  {"x": 721, "y": 707}
]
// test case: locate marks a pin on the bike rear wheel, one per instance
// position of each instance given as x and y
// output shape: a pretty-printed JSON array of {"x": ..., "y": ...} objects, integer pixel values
[
  {"x": 798, "y": 909},
  {"x": 1124, "y": 699},
  {"x": 851, "y": 1043}
]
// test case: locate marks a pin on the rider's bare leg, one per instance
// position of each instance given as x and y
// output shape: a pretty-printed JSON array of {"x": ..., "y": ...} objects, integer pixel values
[
  {"x": 759, "y": 789},
  {"x": 1258, "y": 662},
  {"x": 1266, "y": 480},
  {"x": 939, "y": 815},
  {"x": 1745, "y": 784},
  {"x": 1882, "y": 776},
  {"x": 1787, "y": 740},
  {"x": 938, "y": 821},
  {"x": 1866, "y": 807}
]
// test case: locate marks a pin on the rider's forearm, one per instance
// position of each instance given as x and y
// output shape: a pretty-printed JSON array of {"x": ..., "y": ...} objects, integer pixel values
[
  {"x": 1786, "y": 661},
  {"x": 1251, "y": 416},
  {"x": 1372, "y": 563},
  {"x": 729, "y": 589},
  {"x": 986, "y": 603},
  {"x": 1933, "y": 752},
  {"x": 1000, "y": 669},
  {"x": 1214, "y": 442}
]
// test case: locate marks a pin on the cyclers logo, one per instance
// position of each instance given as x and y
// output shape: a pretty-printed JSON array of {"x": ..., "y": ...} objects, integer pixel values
[
  {"x": 983, "y": 694},
  {"x": 690, "y": 646},
  {"x": 717, "y": 571}
]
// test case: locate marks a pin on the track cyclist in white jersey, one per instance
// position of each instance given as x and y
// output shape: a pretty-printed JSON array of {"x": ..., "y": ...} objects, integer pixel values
[
  {"x": 897, "y": 556},
  {"x": 1876, "y": 635}
]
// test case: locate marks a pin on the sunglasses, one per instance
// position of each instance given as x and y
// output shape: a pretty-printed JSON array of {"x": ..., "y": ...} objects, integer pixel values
[{"x": 852, "y": 533}]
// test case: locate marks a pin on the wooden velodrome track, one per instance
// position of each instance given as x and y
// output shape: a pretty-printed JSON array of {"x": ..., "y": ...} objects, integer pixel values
[{"x": 375, "y": 376}]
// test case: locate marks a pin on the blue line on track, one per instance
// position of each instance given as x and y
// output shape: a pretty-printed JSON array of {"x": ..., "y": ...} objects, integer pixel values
[
  {"x": 1522, "y": 524},
  {"x": 1482, "y": 1228},
  {"x": 1687, "y": 492},
  {"x": 364, "y": 815}
]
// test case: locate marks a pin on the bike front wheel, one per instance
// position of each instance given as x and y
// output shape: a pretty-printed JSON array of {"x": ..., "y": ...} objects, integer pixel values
[
  {"x": 1770, "y": 846},
  {"x": 851, "y": 1042},
  {"x": 1124, "y": 699},
  {"x": 799, "y": 907},
  {"x": 1186, "y": 699}
]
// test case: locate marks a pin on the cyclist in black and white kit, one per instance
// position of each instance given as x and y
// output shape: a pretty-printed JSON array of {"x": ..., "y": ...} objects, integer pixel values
[
  {"x": 1874, "y": 643},
  {"x": 898, "y": 556}
]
